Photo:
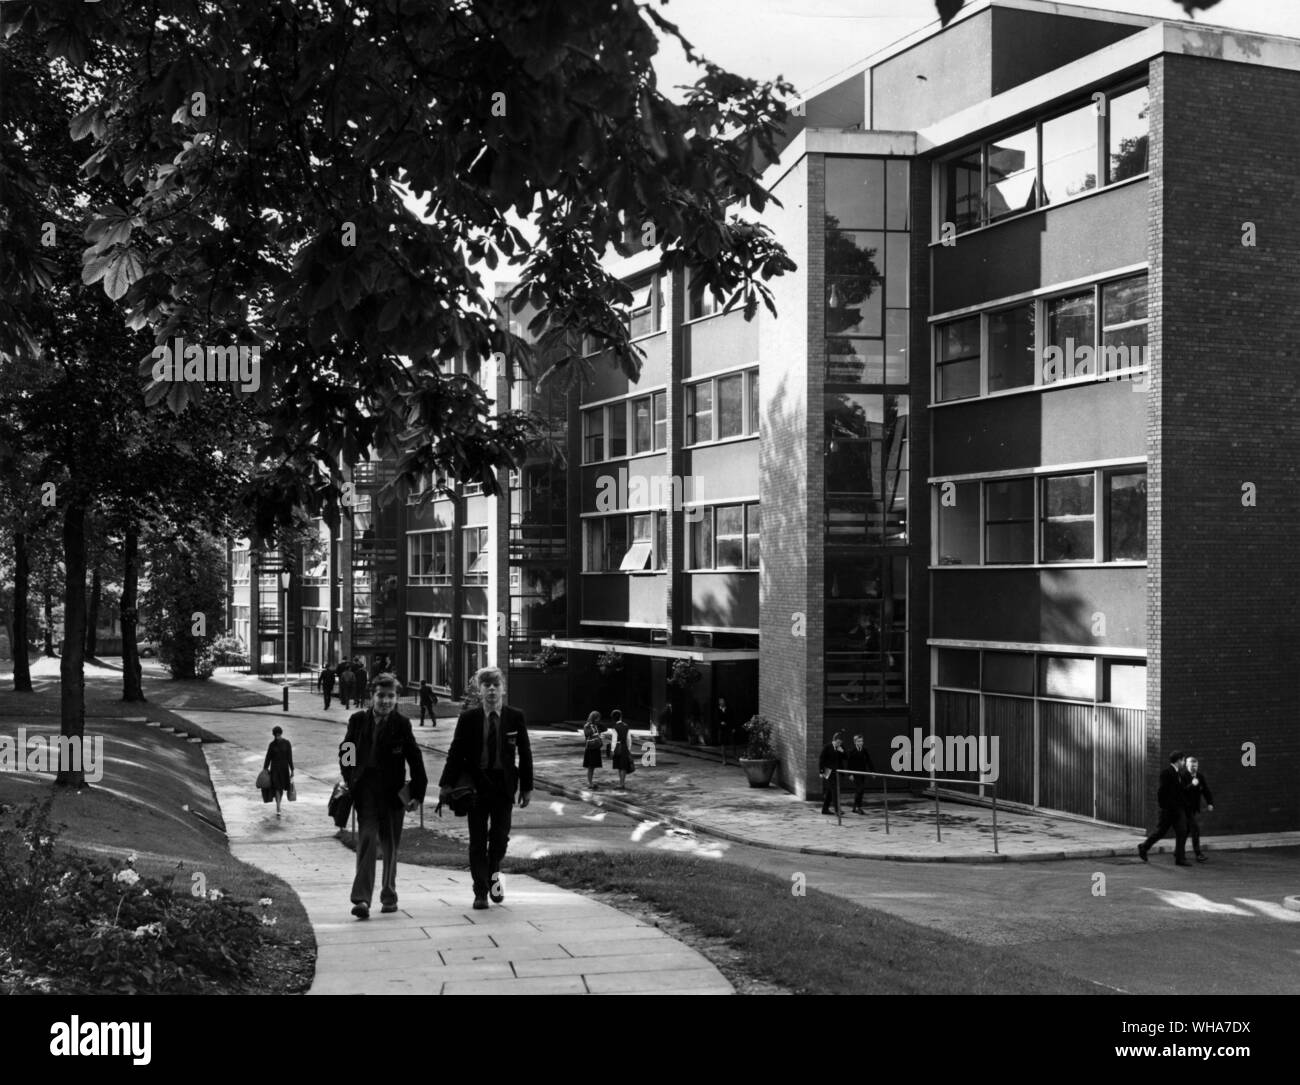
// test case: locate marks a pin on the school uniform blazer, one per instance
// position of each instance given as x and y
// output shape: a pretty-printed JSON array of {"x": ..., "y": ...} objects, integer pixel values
[
  {"x": 1192, "y": 795},
  {"x": 1169, "y": 792},
  {"x": 395, "y": 749},
  {"x": 467, "y": 749}
]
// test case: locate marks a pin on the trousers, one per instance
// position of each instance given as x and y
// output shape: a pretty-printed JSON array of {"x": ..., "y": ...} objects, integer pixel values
[
  {"x": 1171, "y": 819},
  {"x": 379, "y": 830},
  {"x": 489, "y": 831}
]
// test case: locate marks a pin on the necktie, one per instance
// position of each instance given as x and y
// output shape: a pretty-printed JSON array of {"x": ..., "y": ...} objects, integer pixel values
[{"x": 492, "y": 741}]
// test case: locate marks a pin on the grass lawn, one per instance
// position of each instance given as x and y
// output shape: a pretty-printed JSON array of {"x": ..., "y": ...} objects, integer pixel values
[
  {"x": 752, "y": 927},
  {"x": 156, "y": 802}
]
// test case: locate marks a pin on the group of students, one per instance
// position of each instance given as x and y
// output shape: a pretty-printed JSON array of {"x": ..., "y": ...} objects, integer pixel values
[
  {"x": 354, "y": 686},
  {"x": 1182, "y": 787},
  {"x": 621, "y": 760},
  {"x": 833, "y": 759}
]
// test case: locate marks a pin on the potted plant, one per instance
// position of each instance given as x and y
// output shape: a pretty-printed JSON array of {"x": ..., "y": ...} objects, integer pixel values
[
  {"x": 610, "y": 662},
  {"x": 684, "y": 674},
  {"x": 760, "y": 760},
  {"x": 549, "y": 656}
]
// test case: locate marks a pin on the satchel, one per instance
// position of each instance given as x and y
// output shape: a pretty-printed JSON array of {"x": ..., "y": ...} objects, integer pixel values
[
  {"x": 340, "y": 805},
  {"x": 264, "y": 781},
  {"x": 462, "y": 797},
  {"x": 292, "y": 793},
  {"x": 593, "y": 741}
]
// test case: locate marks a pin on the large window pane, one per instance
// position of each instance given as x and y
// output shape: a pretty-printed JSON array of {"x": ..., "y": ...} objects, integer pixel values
[
  {"x": 1124, "y": 324},
  {"x": 853, "y": 282},
  {"x": 961, "y": 182},
  {"x": 593, "y": 435},
  {"x": 643, "y": 316},
  {"x": 1068, "y": 517},
  {"x": 1128, "y": 124},
  {"x": 1126, "y": 516},
  {"x": 1070, "y": 154},
  {"x": 1013, "y": 174},
  {"x": 616, "y": 542},
  {"x": 1067, "y": 678},
  {"x": 895, "y": 346},
  {"x": 641, "y": 425},
  {"x": 730, "y": 537},
  {"x": 753, "y": 535},
  {"x": 731, "y": 417},
  {"x": 1011, "y": 348},
  {"x": 699, "y": 413},
  {"x": 897, "y": 195},
  {"x": 849, "y": 460},
  {"x": 1071, "y": 325},
  {"x": 1009, "y": 672},
  {"x": 896, "y": 270},
  {"x": 594, "y": 536},
  {"x": 959, "y": 523},
  {"x": 617, "y": 429},
  {"x": 855, "y": 192},
  {"x": 1124, "y": 683},
  {"x": 700, "y": 534},
  {"x": 854, "y": 361},
  {"x": 958, "y": 360},
  {"x": 752, "y": 391},
  {"x": 1009, "y": 519},
  {"x": 661, "y": 419},
  {"x": 959, "y": 668}
]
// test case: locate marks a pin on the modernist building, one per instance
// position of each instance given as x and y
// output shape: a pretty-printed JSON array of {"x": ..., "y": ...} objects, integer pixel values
[{"x": 1017, "y": 458}]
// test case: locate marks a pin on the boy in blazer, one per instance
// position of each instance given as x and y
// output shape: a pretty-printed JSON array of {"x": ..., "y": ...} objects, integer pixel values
[
  {"x": 1173, "y": 811},
  {"x": 490, "y": 748},
  {"x": 1195, "y": 787},
  {"x": 373, "y": 757}
]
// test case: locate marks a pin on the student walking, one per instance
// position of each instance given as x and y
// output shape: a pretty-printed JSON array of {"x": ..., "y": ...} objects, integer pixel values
[
  {"x": 831, "y": 760},
  {"x": 591, "y": 759},
  {"x": 327, "y": 677},
  {"x": 859, "y": 761},
  {"x": 279, "y": 763},
  {"x": 347, "y": 685},
  {"x": 622, "y": 759},
  {"x": 428, "y": 703},
  {"x": 1197, "y": 786},
  {"x": 1173, "y": 810}
]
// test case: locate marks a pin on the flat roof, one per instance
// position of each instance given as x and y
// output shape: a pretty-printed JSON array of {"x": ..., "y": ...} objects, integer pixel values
[{"x": 657, "y": 651}]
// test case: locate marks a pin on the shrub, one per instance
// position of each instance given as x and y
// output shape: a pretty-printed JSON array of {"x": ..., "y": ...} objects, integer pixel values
[
  {"x": 759, "y": 729},
  {"x": 229, "y": 651}
]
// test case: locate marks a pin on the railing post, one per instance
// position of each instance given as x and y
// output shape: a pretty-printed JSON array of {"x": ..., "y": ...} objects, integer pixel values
[
  {"x": 839, "y": 814},
  {"x": 886, "y": 779},
  {"x": 995, "y": 817},
  {"x": 938, "y": 833}
]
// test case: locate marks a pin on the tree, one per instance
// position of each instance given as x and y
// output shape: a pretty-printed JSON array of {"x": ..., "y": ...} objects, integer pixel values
[
  {"x": 265, "y": 151},
  {"x": 186, "y": 591}
]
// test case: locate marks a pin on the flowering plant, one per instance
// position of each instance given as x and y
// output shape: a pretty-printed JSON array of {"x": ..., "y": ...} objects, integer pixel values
[
  {"x": 760, "y": 748},
  {"x": 684, "y": 673},
  {"x": 609, "y": 662},
  {"x": 549, "y": 656}
]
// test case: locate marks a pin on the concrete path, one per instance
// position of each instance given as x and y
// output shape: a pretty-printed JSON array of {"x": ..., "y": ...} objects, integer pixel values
[{"x": 543, "y": 940}]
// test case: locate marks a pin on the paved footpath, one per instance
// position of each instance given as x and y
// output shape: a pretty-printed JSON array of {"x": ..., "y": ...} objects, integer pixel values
[{"x": 543, "y": 940}]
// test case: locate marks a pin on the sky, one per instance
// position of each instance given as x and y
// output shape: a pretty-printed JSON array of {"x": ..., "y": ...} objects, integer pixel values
[{"x": 809, "y": 43}]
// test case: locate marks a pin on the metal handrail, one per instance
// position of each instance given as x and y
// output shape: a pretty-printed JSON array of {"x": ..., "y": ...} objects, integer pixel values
[{"x": 886, "y": 776}]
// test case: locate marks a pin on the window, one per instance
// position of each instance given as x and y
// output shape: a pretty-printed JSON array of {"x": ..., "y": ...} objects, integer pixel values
[
  {"x": 1071, "y": 324},
  {"x": 427, "y": 650},
  {"x": 853, "y": 192},
  {"x": 699, "y": 412},
  {"x": 959, "y": 523},
  {"x": 476, "y": 554},
  {"x": 642, "y": 425},
  {"x": 239, "y": 566},
  {"x": 1070, "y": 154},
  {"x": 1012, "y": 163},
  {"x": 1067, "y": 678},
  {"x": 729, "y": 537},
  {"x": 641, "y": 552},
  {"x": 1009, "y": 672},
  {"x": 1011, "y": 348},
  {"x": 606, "y": 544},
  {"x": 700, "y": 535},
  {"x": 1124, "y": 683},
  {"x": 661, "y": 540},
  {"x": 593, "y": 435},
  {"x": 1123, "y": 324},
  {"x": 731, "y": 415},
  {"x": 617, "y": 429},
  {"x": 1006, "y": 175},
  {"x": 700, "y": 299},
  {"x": 428, "y": 557},
  {"x": 475, "y": 632},
  {"x": 751, "y": 390},
  {"x": 959, "y": 668},
  {"x": 1009, "y": 521},
  {"x": 957, "y": 369},
  {"x": 647, "y": 305},
  {"x": 1068, "y": 518},
  {"x": 1126, "y": 516},
  {"x": 660, "y": 401},
  {"x": 1127, "y": 134},
  {"x": 752, "y": 534}
]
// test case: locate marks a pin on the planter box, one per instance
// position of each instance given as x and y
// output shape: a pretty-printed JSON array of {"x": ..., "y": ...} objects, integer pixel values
[{"x": 760, "y": 771}]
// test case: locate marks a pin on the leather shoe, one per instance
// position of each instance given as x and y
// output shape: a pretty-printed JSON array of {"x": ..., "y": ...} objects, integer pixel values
[
  {"x": 389, "y": 908},
  {"x": 1142, "y": 853},
  {"x": 480, "y": 903},
  {"x": 1200, "y": 857},
  {"x": 361, "y": 910}
]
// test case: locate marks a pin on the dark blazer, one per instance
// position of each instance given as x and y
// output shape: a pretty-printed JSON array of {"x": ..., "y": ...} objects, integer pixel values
[
  {"x": 396, "y": 749},
  {"x": 1192, "y": 795},
  {"x": 859, "y": 760},
  {"x": 327, "y": 677},
  {"x": 830, "y": 758},
  {"x": 467, "y": 748},
  {"x": 1169, "y": 793}
]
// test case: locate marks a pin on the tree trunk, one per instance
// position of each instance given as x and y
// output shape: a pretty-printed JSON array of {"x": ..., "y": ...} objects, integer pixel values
[
  {"x": 22, "y": 587},
  {"x": 49, "y": 620},
  {"x": 92, "y": 613},
  {"x": 72, "y": 667},
  {"x": 131, "y": 687}
]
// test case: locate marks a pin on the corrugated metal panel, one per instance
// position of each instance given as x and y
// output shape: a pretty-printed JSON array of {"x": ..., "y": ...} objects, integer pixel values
[
  {"x": 1011, "y": 721},
  {"x": 957, "y": 714},
  {"x": 1066, "y": 756},
  {"x": 1121, "y": 764}
]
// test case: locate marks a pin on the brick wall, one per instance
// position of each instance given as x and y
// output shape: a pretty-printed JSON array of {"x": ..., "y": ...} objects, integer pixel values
[{"x": 1224, "y": 410}]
